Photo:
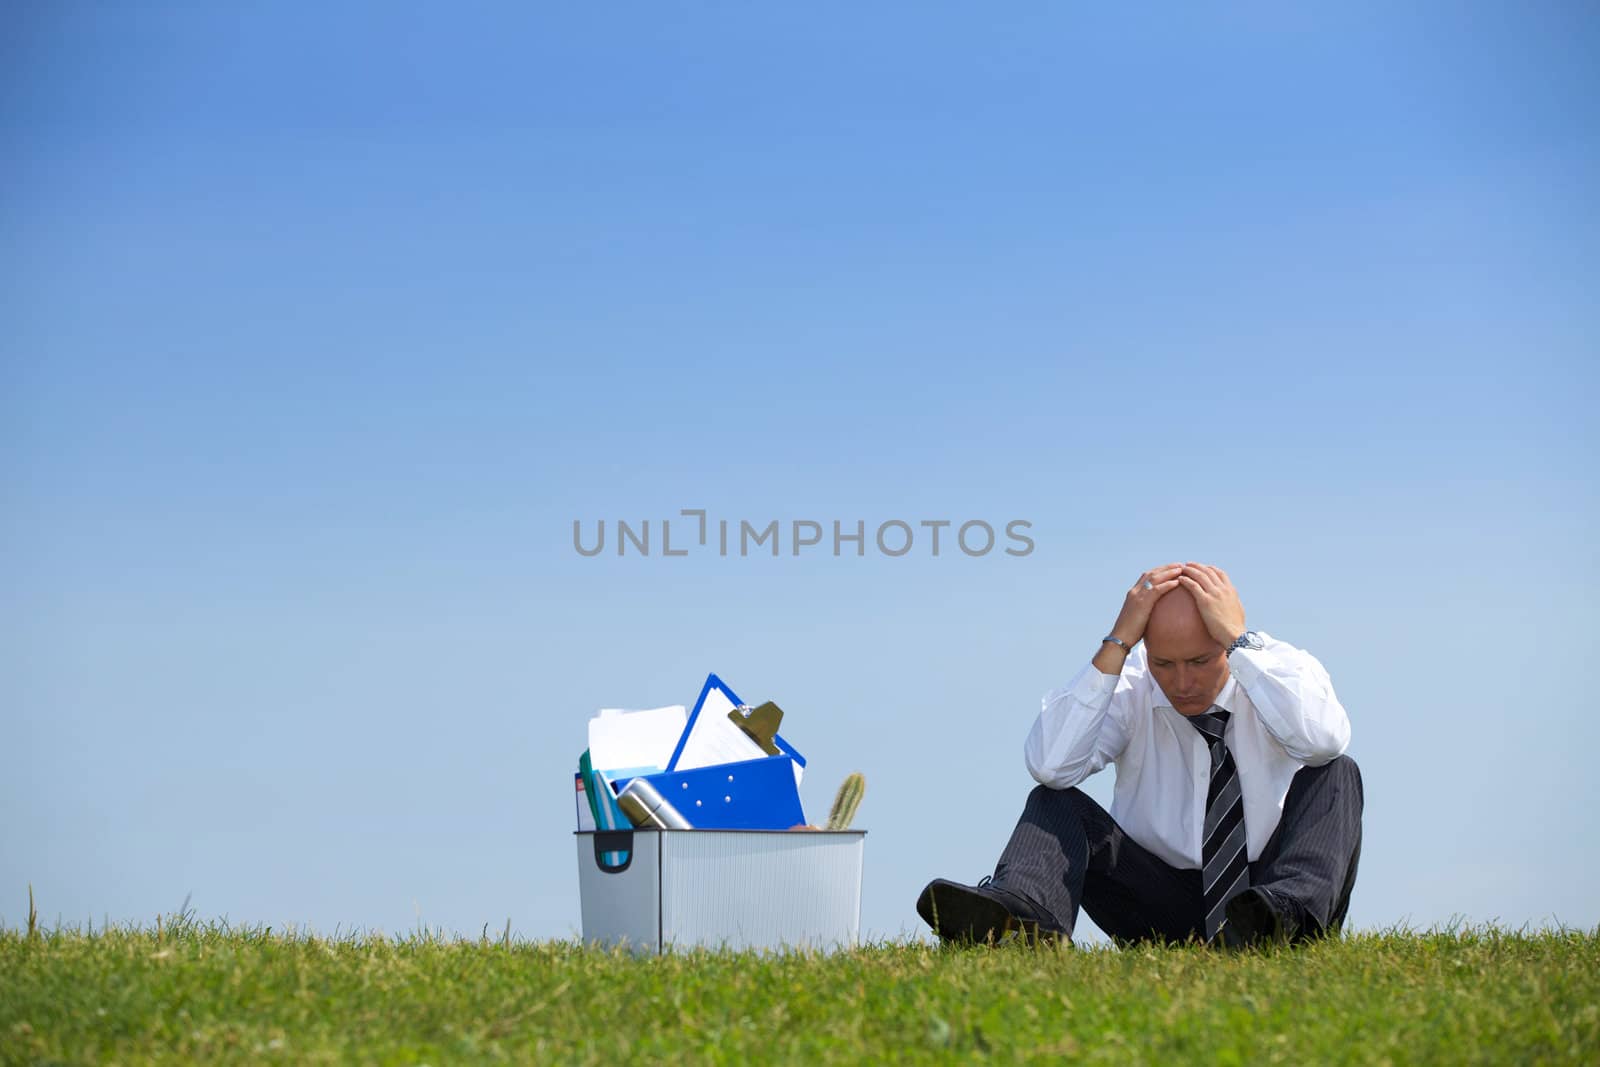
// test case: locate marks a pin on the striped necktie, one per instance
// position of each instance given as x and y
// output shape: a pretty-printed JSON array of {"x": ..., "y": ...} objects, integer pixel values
[{"x": 1224, "y": 863}]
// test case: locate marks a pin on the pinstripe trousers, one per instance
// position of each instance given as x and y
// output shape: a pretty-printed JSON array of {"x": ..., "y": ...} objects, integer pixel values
[{"x": 1067, "y": 852}]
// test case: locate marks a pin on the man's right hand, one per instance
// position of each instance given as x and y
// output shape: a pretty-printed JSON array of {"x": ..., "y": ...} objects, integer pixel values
[
  {"x": 1135, "y": 616},
  {"x": 1140, "y": 601}
]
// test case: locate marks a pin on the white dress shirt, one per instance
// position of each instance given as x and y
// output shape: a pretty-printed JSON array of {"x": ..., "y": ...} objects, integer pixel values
[{"x": 1284, "y": 716}]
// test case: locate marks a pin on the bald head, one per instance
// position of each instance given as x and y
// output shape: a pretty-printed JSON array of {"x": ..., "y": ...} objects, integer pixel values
[{"x": 1176, "y": 629}]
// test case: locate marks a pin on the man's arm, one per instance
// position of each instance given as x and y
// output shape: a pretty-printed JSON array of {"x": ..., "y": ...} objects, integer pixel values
[
  {"x": 1082, "y": 727},
  {"x": 1076, "y": 733},
  {"x": 1290, "y": 689},
  {"x": 1294, "y": 697}
]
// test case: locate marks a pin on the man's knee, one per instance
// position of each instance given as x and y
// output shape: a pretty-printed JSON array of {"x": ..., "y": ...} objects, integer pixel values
[
  {"x": 1346, "y": 766},
  {"x": 1348, "y": 774},
  {"x": 1340, "y": 773},
  {"x": 1061, "y": 807}
]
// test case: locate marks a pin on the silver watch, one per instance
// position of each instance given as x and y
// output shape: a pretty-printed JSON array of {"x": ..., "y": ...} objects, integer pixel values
[{"x": 1249, "y": 639}]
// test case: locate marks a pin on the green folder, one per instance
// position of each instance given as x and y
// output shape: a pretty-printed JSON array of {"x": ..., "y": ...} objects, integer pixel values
[{"x": 586, "y": 769}]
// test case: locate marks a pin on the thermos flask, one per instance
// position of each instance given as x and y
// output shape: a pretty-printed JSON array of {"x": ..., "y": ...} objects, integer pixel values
[{"x": 648, "y": 808}]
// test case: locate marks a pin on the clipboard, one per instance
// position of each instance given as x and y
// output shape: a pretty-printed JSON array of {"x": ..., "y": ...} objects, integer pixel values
[{"x": 710, "y": 739}]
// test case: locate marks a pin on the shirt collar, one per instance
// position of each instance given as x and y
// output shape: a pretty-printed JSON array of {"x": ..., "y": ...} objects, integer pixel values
[{"x": 1228, "y": 700}]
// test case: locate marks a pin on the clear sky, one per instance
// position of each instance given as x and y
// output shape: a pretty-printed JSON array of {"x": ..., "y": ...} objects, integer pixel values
[{"x": 321, "y": 324}]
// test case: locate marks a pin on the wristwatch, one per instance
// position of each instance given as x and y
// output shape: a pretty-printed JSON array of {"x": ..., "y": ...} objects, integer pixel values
[{"x": 1249, "y": 639}]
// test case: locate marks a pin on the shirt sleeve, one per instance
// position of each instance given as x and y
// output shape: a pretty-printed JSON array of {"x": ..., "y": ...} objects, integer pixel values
[
  {"x": 1081, "y": 727},
  {"x": 1294, "y": 697}
]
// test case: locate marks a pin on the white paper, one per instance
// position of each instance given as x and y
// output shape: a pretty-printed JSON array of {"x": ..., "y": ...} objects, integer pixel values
[{"x": 630, "y": 740}]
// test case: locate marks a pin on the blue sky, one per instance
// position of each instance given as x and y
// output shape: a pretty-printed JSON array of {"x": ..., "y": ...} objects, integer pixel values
[{"x": 321, "y": 327}]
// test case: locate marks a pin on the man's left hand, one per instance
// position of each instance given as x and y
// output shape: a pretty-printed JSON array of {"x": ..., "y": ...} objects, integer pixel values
[{"x": 1217, "y": 600}]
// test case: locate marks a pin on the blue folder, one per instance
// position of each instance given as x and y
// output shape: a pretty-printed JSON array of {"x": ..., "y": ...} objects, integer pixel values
[{"x": 758, "y": 794}]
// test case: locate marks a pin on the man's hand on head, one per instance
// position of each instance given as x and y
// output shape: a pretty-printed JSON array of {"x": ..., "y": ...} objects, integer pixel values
[
  {"x": 1217, "y": 600},
  {"x": 1129, "y": 628},
  {"x": 1150, "y": 587}
]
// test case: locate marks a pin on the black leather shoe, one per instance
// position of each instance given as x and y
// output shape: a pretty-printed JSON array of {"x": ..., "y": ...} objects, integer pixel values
[
  {"x": 981, "y": 914},
  {"x": 1255, "y": 918}
]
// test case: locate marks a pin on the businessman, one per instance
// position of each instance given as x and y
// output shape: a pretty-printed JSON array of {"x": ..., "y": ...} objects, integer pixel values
[{"x": 1236, "y": 816}]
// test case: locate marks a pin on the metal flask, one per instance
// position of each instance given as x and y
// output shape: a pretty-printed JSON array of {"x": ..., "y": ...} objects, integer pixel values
[{"x": 641, "y": 803}]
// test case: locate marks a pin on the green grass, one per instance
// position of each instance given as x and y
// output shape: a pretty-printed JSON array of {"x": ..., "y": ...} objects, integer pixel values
[{"x": 190, "y": 991}]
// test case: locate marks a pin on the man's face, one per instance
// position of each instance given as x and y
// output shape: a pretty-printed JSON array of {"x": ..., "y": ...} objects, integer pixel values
[
  {"x": 1190, "y": 676},
  {"x": 1185, "y": 660}
]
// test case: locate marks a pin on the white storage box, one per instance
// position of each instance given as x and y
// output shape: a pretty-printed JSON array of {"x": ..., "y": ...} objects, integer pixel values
[{"x": 734, "y": 889}]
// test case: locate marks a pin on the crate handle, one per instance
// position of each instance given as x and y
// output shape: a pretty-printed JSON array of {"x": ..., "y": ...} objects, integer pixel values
[{"x": 613, "y": 841}]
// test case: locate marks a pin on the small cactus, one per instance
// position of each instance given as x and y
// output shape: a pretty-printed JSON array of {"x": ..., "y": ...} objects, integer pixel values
[{"x": 846, "y": 801}]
